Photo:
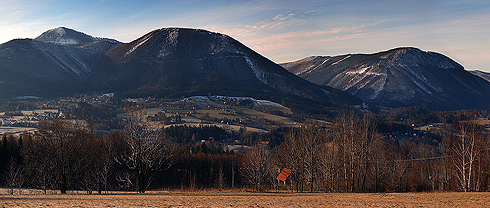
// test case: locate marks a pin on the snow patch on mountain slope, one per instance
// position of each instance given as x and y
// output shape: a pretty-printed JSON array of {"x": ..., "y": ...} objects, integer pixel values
[
  {"x": 419, "y": 79},
  {"x": 364, "y": 77},
  {"x": 341, "y": 60},
  {"x": 6, "y": 52},
  {"x": 416, "y": 57},
  {"x": 138, "y": 45},
  {"x": 379, "y": 88},
  {"x": 261, "y": 75},
  {"x": 326, "y": 91},
  {"x": 66, "y": 41},
  {"x": 415, "y": 78},
  {"x": 60, "y": 31},
  {"x": 66, "y": 58},
  {"x": 56, "y": 60},
  {"x": 81, "y": 63},
  {"x": 170, "y": 44},
  {"x": 465, "y": 84},
  {"x": 316, "y": 67},
  {"x": 60, "y": 37},
  {"x": 360, "y": 71}
]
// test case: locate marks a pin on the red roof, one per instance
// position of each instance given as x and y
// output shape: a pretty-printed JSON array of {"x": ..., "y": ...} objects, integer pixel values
[{"x": 284, "y": 174}]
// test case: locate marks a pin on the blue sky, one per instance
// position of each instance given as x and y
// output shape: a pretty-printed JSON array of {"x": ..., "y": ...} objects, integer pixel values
[{"x": 280, "y": 30}]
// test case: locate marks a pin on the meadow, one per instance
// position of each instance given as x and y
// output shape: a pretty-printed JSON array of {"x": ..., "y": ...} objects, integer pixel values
[{"x": 249, "y": 199}]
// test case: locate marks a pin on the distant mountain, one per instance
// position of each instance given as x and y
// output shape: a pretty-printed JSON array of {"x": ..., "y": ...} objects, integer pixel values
[
  {"x": 33, "y": 68},
  {"x": 178, "y": 62},
  {"x": 170, "y": 62},
  {"x": 53, "y": 64},
  {"x": 398, "y": 77},
  {"x": 69, "y": 37},
  {"x": 483, "y": 75}
]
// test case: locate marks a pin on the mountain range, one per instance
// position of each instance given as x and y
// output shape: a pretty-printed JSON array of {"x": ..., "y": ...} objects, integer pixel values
[
  {"x": 52, "y": 64},
  {"x": 483, "y": 75},
  {"x": 168, "y": 62},
  {"x": 176, "y": 62},
  {"x": 399, "y": 77}
]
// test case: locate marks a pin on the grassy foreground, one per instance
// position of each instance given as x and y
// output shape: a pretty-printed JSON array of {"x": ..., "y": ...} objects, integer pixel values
[{"x": 246, "y": 199}]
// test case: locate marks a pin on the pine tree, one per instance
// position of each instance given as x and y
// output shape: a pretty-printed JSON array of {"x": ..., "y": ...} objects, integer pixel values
[{"x": 4, "y": 142}]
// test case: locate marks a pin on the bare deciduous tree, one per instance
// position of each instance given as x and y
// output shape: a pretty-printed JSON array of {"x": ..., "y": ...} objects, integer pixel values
[
  {"x": 255, "y": 166},
  {"x": 13, "y": 175},
  {"x": 145, "y": 150},
  {"x": 354, "y": 135},
  {"x": 56, "y": 156},
  {"x": 466, "y": 150},
  {"x": 38, "y": 173}
]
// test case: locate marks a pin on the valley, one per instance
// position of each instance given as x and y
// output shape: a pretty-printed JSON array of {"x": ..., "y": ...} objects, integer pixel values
[
  {"x": 225, "y": 112},
  {"x": 191, "y": 109}
]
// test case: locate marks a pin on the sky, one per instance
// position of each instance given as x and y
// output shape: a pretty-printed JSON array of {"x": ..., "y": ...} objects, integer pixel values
[{"x": 282, "y": 31}]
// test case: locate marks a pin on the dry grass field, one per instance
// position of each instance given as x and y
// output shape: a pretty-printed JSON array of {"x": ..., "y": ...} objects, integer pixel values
[
  {"x": 247, "y": 199},
  {"x": 15, "y": 130}
]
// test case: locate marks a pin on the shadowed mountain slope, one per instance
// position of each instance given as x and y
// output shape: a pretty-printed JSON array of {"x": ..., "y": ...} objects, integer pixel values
[
  {"x": 483, "y": 75},
  {"x": 398, "y": 77},
  {"x": 169, "y": 62},
  {"x": 33, "y": 68},
  {"x": 182, "y": 62}
]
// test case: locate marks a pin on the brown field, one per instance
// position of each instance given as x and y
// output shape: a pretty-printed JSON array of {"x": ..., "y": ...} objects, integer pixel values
[
  {"x": 15, "y": 130},
  {"x": 193, "y": 119},
  {"x": 224, "y": 126},
  {"x": 248, "y": 199}
]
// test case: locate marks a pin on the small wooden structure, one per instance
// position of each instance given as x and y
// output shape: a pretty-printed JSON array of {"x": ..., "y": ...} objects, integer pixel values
[{"x": 283, "y": 176}]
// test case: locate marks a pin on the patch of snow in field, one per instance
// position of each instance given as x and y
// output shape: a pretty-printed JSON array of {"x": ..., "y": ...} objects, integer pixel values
[
  {"x": 270, "y": 103},
  {"x": 197, "y": 99},
  {"x": 27, "y": 97},
  {"x": 111, "y": 94},
  {"x": 238, "y": 99}
]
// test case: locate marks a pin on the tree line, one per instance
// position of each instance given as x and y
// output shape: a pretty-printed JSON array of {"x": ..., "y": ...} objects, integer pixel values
[
  {"x": 352, "y": 156},
  {"x": 349, "y": 156}
]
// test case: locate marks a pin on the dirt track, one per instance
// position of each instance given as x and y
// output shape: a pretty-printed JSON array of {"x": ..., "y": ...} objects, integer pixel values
[{"x": 245, "y": 199}]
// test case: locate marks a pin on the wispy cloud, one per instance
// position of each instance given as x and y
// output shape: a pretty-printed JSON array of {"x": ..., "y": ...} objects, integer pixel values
[
  {"x": 282, "y": 30},
  {"x": 281, "y": 34}
]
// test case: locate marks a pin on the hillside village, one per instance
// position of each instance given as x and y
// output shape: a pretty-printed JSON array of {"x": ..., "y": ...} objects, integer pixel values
[
  {"x": 230, "y": 113},
  {"x": 222, "y": 111},
  {"x": 25, "y": 121}
]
